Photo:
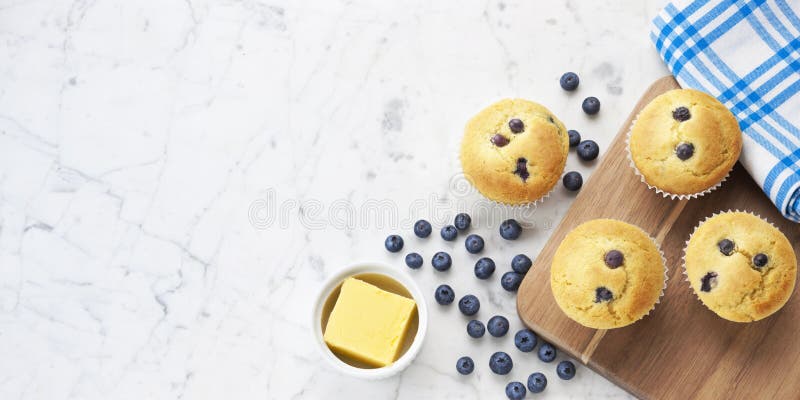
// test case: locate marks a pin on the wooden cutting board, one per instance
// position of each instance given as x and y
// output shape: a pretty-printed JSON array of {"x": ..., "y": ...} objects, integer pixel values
[{"x": 681, "y": 350}]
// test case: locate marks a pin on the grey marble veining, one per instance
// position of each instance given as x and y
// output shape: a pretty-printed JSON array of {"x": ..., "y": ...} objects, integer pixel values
[{"x": 178, "y": 177}]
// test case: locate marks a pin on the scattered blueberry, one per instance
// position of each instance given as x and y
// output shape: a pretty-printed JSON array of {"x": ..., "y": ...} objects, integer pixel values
[
  {"x": 760, "y": 260},
  {"x": 510, "y": 229},
  {"x": 444, "y": 295},
  {"x": 510, "y": 281},
  {"x": 500, "y": 363},
  {"x": 566, "y": 370},
  {"x": 469, "y": 305},
  {"x": 449, "y": 233},
  {"x": 413, "y": 260},
  {"x": 475, "y": 328},
  {"x": 614, "y": 259},
  {"x": 537, "y": 382},
  {"x": 484, "y": 268},
  {"x": 547, "y": 352},
  {"x": 525, "y": 340},
  {"x": 465, "y": 365},
  {"x": 588, "y": 150},
  {"x": 422, "y": 228},
  {"x": 726, "y": 246},
  {"x": 521, "y": 264},
  {"x": 574, "y": 138},
  {"x": 591, "y": 105},
  {"x": 463, "y": 221},
  {"x": 441, "y": 261},
  {"x": 681, "y": 114},
  {"x": 684, "y": 151},
  {"x": 708, "y": 282},
  {"x": 515, "y": 391},
  {"x": 394, "y": 243},
  {"x": 602, "y": 294},
  {"x": 516, "y": 125},
  {"x": 474, "y": 244},
  {"x": 572, "y": 181},
  {"x": 497, "y": 326},
  {"x": 569, "y": 81}
]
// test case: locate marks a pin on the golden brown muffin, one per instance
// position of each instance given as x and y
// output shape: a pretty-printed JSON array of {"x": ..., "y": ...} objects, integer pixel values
[
  {"x": 514, "y": 151},
  {"x": 607, "y": 274},
  {"x": 685, "y": 142},
  {"x": 740, "y": 266}
]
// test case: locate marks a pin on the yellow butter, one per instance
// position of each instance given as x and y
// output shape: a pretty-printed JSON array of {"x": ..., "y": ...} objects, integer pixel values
[{"x": 368, "y": 323}]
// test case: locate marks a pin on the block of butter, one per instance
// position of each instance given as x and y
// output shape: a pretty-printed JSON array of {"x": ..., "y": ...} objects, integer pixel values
[{"x": 368, "y": 323}]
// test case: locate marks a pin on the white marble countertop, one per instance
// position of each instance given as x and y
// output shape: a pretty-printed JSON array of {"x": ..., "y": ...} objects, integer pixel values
[{"x": 136, "y": 137}]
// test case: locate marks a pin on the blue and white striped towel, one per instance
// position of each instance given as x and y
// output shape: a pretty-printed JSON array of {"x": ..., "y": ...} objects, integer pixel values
[{"x": 747, "y": 54}]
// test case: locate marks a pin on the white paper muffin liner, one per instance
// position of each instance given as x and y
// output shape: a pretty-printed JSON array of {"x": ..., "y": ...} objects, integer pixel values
[
  {"x": 666, "y": 276},
  {"x": 664, "y": 193}
]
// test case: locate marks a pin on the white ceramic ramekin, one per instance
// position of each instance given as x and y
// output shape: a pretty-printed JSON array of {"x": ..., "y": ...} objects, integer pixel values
[{"x": 376, "y": 268}]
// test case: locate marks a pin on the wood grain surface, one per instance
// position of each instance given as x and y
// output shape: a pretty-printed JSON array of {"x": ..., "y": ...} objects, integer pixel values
[{"x": 681, "y": 350}]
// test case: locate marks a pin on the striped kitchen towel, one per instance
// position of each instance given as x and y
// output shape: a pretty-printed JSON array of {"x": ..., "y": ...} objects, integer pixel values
[{"x": 747, "y": 54}]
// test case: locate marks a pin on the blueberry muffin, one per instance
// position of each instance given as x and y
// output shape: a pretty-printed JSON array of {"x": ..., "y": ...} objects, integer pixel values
[
  {"x": 607, "y": 274},
  {"x": 740, "y": 266},
  {"x": 685, "y": 142},
  {"x": 514, "y": 151}
]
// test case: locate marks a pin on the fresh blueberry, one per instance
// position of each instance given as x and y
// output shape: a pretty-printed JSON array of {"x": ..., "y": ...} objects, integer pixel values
[
  {"x": 441, "y": 261},
  {"x": 681, "y": 114},
  {"x": 500, "y": 363},
  {"x": 726, "y": 246},
  {"x": 574, "y": 138},
  {"x": 474, "y": 244},
  {"x": 484, "y": 268},
  {"x": 465, "y": 365},
  {"x": 444, "y": 295},
  {"x": 449, "y": 233},
  {"x": 475, "y": 328},
  {"x": 463, "y": 221},
  {"x": 525, "y": 340},
  {"x": 572, "y": 181},
  {"x": 510, "y": 281},
  {"x": 521, "y": 264},
  {"x": 569, "y": 81},
  {"x": 394, "y": 243},
  {"x": 614, "y": 259},
  {"x": 591, "y": 105},
  {"x": 537, "y": 382},
  {"x": 684, "y": 151},
  {"x": 422, "y": 228},
  {"x": 588, "y": 150},
  {"x": 760, "y": 260},
  {"x": 566, "y": 370},
  {"x": 510, "y": 229},
  {"x": 413, "y": 260},
  {"x": 547, "y": 352},
  {"x": 516, "y": 125},
  {"x": 515, "y": 391},
  {"x": 469, "y": 305},
  {"x": 497, "y": 326}
]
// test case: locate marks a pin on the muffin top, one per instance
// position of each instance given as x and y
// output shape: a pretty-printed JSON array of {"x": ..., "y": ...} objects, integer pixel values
[
  {"x": 740, "y": 266},
  {"x": 514, "y": 151},
  {"x": 607, "y": 274},
  {"x": 685, "y": 142}
]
